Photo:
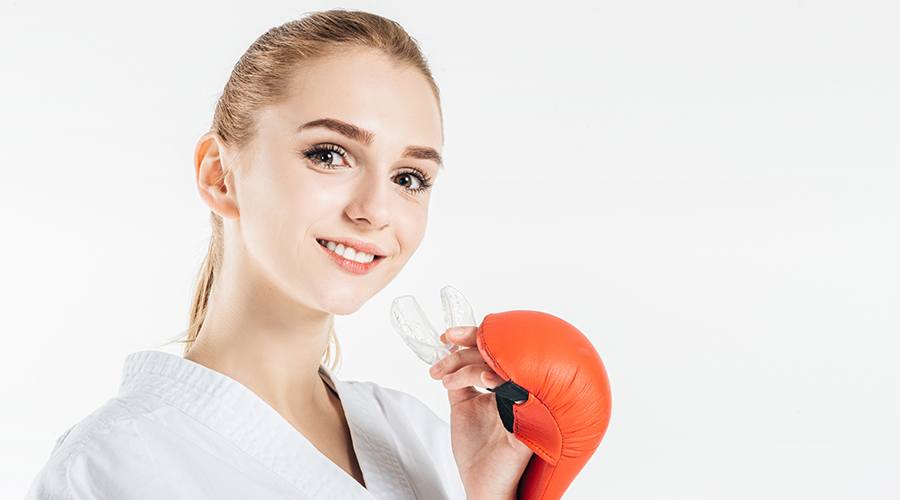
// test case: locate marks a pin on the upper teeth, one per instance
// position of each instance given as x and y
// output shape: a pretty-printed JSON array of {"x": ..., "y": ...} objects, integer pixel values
[{"x": 348, "y": 253}]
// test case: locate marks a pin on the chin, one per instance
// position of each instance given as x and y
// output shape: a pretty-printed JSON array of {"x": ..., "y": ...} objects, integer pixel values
[
  {"x": 342, "y": 305},
  {"x": 343, "y": 310}
]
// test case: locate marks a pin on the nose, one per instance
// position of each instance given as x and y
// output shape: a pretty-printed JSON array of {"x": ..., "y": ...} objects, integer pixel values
[{"x": 371, "y": 200}]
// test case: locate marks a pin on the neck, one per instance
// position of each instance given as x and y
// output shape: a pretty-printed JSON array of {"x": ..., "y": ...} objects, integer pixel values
[{"x": 267, "y": 342}]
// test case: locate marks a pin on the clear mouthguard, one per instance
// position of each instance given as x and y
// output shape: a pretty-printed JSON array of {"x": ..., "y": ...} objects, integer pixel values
[{"x": 416, "y": 331}]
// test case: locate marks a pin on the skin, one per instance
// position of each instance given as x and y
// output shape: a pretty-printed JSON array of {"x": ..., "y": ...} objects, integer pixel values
[
  {"x": 490, "y": 459},
  {"x": 277, "y": 292}
]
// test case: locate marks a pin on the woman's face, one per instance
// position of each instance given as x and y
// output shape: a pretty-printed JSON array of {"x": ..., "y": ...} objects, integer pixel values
[{"x": 296, "y": 186}]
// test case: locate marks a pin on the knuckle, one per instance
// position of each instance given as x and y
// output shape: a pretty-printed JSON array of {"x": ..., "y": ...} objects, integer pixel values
[
  {"x": 474, "y": 355},
  {"x": 451, "y": 361}
]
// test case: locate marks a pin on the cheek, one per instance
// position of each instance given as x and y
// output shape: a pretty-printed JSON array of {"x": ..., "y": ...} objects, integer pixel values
[
  {"x": 267, "y": 228},
  {"x": 410, "y": 228},
  {"x": 277, "y": 208}
]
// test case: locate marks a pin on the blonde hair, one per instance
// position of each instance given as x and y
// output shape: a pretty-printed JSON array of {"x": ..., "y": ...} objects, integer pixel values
[{"x": 261, "y": 78}]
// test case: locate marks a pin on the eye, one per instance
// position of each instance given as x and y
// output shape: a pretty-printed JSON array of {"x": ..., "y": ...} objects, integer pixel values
[
  {"x": 423, "y": 180},
  {"x": 323, "y": 154}
]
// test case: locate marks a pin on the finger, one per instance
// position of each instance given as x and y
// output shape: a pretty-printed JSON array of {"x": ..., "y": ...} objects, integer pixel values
[
  {"x": 469, "y": 375},
  {"x": 454, "y": 361},
  {"x": 490, "y": 379},
  {"x": 456, "y": 396},
  {"x": 460, "y": 335}
]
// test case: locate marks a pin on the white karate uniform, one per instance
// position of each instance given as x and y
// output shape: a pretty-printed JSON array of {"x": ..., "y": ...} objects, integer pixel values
[{"x": 179, "y": 430}]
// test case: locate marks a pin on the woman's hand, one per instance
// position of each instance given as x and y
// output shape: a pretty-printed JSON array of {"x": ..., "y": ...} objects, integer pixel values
[{"x": 490, "y": 459}]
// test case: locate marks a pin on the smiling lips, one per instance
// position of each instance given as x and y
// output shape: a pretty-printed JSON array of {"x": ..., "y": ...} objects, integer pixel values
[
  {"x": 350, "y": 266},
  {"x": 358, "y": 245}
]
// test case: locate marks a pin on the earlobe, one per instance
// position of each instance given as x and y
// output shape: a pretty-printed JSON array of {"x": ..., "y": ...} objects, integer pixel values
[{"x": 212, "y": 177}]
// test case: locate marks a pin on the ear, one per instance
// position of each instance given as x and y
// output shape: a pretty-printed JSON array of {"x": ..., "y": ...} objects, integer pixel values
[{"x": 215, "y": 188}]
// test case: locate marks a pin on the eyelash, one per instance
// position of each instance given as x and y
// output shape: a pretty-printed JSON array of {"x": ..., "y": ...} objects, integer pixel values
[{"x": 311, "y": 153}]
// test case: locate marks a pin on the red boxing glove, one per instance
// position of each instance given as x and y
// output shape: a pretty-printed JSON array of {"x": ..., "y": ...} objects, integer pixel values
[{"x": 556, "y": 399}]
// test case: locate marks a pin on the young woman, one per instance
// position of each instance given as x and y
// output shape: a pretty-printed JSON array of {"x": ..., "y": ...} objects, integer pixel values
[{"x": 317, "y": 171}]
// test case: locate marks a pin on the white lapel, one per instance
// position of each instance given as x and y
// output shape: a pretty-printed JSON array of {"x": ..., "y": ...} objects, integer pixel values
[
  {"x": 373, "y": 440},
  {"x": 238, "y": 414}
]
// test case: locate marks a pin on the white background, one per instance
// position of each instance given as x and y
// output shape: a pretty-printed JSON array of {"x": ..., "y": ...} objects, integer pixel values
[{"x": 709, "y": 190}]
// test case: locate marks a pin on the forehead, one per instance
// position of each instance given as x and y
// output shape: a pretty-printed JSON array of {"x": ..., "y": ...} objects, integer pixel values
[{"x": 369, "y": 90}]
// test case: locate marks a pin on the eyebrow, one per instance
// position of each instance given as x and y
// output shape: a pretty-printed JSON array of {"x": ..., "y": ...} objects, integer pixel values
[{"x": 366, "y": 137}]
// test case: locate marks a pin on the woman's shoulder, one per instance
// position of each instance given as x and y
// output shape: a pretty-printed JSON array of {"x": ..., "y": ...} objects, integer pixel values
[
  {"x": 102, "y": 447},
  {"x": 89, "y": 433}
]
